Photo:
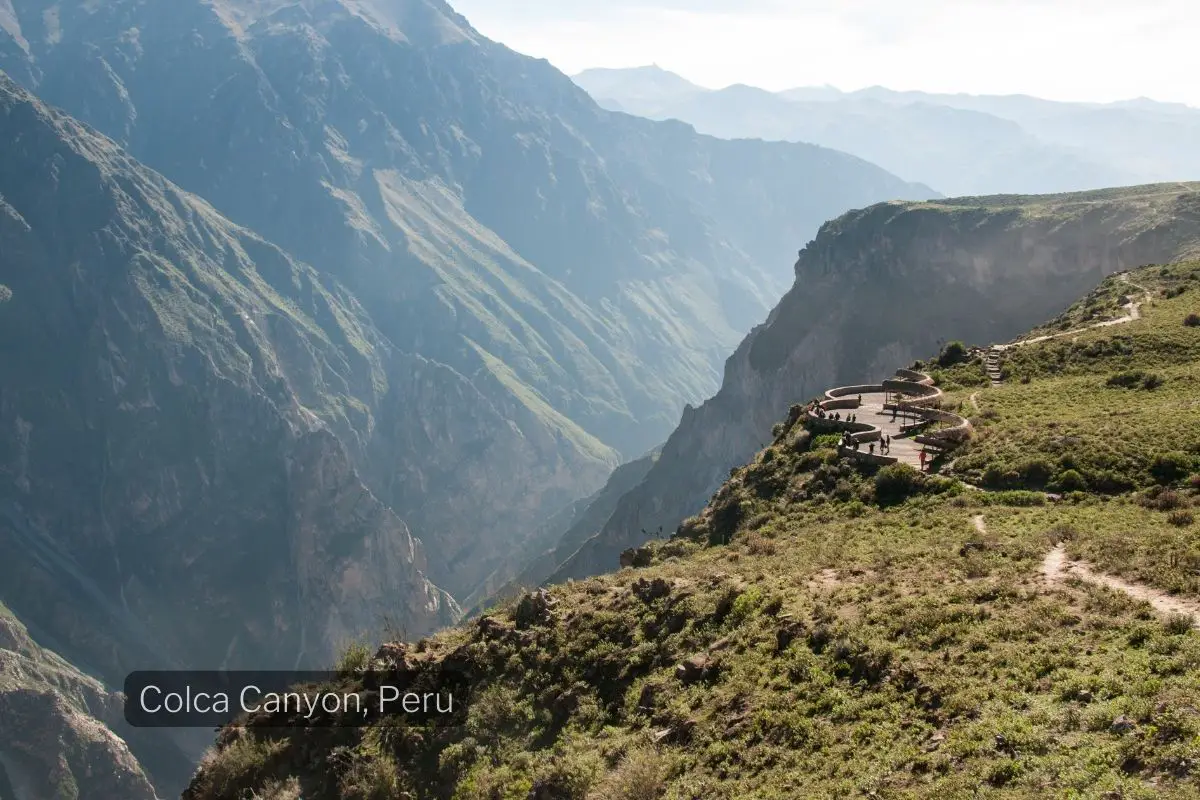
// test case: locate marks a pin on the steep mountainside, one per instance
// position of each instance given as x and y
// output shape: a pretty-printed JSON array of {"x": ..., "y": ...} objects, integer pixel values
[
  {"x": 878, "y": 288},
  {"x": 55, "y": 737},
  {"x": 576, "y": 273},
  {"x": 170, "y": 496},
  {"x": 959, "y": 144},
  {"x": 828, "y": 629},
  {"x": 563, "y": 534}
]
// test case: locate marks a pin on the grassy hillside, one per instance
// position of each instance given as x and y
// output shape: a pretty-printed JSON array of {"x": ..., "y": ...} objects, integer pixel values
[{"x": 826, "y": 630}]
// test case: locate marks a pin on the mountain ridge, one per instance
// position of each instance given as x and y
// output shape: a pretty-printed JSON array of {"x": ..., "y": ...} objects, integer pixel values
[
  {"x": 961, "y": 144},
  {"x": 999, "y": 265}
]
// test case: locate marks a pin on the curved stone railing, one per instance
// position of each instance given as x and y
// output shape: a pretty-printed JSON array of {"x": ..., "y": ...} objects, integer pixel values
[
  {"x": 845, "y": 398},
  {"x": 916, "y": 396},
  {"x": 844, "y": 391},
  {"x": 957, "y": 428},
  {"x": 924, "y": 396},
  {"x": 913, "y": 375}
]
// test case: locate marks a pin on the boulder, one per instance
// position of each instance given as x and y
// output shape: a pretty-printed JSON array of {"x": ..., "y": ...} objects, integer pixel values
[
  {"x": 649, "y": 591},
  {"x": 535, "y": 608},
  {"x": 1122, "y": 725},
  {"x": 696, "y": 668}
]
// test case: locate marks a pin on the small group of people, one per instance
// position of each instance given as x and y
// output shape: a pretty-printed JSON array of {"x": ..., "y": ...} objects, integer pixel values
[
  {"x": 821, "y": 413},
  {"x": 885, "y": 443}
]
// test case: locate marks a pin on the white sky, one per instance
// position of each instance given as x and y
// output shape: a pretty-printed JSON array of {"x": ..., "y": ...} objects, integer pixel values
[{"x": 1084, "y": 50}]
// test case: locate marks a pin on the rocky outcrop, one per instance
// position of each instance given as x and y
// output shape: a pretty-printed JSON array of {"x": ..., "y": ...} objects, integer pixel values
[
  {"x": 56, "y": 728},
  {"x": 884, "y": 286}
]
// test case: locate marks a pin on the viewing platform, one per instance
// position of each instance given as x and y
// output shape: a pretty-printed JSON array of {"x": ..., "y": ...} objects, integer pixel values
[{"x": 903, "y": 408}]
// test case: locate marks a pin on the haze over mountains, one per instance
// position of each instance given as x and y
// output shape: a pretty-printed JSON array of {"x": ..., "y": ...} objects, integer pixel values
[
  {"x": 958, "y": 143},
  {"x": 325, "y": 317},
  {"x": 313, "y": 312}
]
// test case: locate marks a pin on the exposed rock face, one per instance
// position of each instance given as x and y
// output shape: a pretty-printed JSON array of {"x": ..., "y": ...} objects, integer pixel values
[
  {"x": 56, "y": 737},
  {"x": 572, "y": 276},
  {"x": 563, "y": 534},
  {"x": 879, "y": 288},
  {"x": 171, "y": 492}
]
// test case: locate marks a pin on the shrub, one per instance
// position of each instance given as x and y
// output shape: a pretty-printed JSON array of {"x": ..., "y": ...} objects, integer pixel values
[
  {"x": 825, "y": 440},
  {"x": 1061, "y": 532},
  {"x": 1192, "y": 320},
  {"x": 1017, "y": 497},
  {"x": 243, "y": 764},
  {"x": 1035, "y": 471},
  {"x": 371, "y": 779},
  {"x": 355, "y": 658},
  {"x": 1069, "y": 480},
  {"x": 1178, "y": 624},
  {"x": 1170, "y": 467},
  {"x": 1181, "y": 518},
  {"x": 1125, "y": 380},
  {"x": 641, "y": 775},
  {"x": 1167, "y": 501},
  {"x": 996, "y": 477},
  {"x": 895, "y": 482},
  {"x": 801, "y": 440},
  {"x": 953, "y": 353},
  {"x": 1111, "y": 482},
  {"x": 1152, "y": 381}
]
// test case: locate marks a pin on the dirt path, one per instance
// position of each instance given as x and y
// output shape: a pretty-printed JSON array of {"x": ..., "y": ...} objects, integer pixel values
[
  {"x": 975, "y": 402},
  {"x": 1058, "y": 568},
  {"x": 1133, "y": 311}
]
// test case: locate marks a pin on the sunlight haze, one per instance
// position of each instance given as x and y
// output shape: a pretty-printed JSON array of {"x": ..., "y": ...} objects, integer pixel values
[{"x": 1098, "y": 51}]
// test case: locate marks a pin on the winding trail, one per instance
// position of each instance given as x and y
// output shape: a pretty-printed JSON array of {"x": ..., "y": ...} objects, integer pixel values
[
  {"x": 1057, "y": 568},
  {"x": 1133, "y": 311}
]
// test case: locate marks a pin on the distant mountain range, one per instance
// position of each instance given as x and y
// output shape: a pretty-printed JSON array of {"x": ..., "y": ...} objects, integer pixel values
[{"x": 960, "y": 144}]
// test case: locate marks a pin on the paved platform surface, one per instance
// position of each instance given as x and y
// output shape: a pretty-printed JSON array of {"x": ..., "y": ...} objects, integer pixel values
[{"x": 904, "y": 449}]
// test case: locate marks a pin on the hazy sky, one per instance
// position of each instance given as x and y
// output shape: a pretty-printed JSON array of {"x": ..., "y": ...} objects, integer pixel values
[{"x": 1093, "y": 50}]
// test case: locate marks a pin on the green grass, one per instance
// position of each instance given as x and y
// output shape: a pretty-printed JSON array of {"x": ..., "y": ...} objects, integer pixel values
[
  {"x": 1139, "y": 543},
  {"x": 1102, "y": 403},
  {"x": 1109, "y": 435},
  {"x": 893, "y": 674}
]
